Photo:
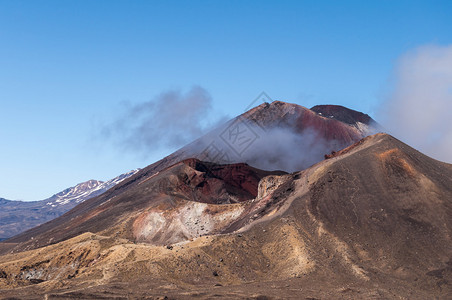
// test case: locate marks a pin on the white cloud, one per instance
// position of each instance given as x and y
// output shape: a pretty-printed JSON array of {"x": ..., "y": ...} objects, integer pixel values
[
  {"x": 419, "y": 109},
  {"x": 170, "y": 120}
]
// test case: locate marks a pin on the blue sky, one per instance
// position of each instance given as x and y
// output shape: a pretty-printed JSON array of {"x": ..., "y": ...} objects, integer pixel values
[{"x": 67, "y": 67}]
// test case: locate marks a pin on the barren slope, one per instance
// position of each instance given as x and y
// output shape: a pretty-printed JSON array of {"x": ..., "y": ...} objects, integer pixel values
[
  {"x": 174, "y": 200},
  {"x": 374, "y": 221}
]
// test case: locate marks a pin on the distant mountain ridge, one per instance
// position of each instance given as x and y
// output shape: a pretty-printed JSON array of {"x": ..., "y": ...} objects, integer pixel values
[
  {"x": 18, "y": 216},
  {"x": 86, "y": 190}
]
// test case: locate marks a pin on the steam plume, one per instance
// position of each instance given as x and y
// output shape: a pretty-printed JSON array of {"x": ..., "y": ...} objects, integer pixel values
[
  {"x": 277, "y": 148},
  {"x": 170, "y": 120}
]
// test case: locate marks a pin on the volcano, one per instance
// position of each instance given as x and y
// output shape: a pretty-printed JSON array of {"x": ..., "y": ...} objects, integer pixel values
[
  {"x": 374, "y": 220},
  {"x": 312, "y": 133}
]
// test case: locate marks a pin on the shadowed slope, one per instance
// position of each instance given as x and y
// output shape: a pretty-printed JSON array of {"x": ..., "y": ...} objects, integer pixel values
[{"x": 343, "y": 114}]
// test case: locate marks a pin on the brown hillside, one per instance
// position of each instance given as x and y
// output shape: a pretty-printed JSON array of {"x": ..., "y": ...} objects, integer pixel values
[{"x": 373, "y": 222}]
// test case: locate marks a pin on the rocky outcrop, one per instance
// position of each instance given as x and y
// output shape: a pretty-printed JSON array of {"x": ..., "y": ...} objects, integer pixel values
[{"x": 269, "y": 184}]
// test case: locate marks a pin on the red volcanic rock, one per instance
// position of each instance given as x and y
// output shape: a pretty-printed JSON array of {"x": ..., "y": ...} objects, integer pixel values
[
  {"x": 328, "y": 156},
  {"x": 329, "y": 129},
  {"x": 345, "y": 150},
  {"x": 227, "y": 183}
]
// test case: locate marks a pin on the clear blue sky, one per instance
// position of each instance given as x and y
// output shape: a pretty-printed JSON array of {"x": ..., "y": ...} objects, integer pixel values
[{"x": 66, "y": 66}]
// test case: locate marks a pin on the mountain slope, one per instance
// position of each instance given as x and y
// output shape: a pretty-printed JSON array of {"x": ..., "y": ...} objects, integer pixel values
[
  {"x": 188, "y": 188},
  {"x": 373, "y": 221},
  {"x": 18, "y": 216},
  {"x": 271, "y": 132}
]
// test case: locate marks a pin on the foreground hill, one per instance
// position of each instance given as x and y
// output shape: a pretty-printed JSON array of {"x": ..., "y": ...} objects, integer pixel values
[
  {"x": 373, "y": 221},
  {"x": 18, "y": 216}
]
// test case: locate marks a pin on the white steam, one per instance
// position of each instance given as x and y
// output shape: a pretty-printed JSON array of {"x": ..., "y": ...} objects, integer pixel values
[
  {"x": 419, "y": 109},
  {"x": 287, "y": 150},
  {"x": 278, "y": 148}
]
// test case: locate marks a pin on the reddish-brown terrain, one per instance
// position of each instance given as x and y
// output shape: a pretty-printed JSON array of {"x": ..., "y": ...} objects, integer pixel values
[
  {"x": 177, "y": 198},
  {"x": 331, "y": 122},
  {"x": 372, "y": 222}
]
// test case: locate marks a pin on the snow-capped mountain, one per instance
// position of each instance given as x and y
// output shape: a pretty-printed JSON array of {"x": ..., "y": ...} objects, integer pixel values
[
  {"x": 18, "y": 216},
  {"x": 86, "y": 190}
]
